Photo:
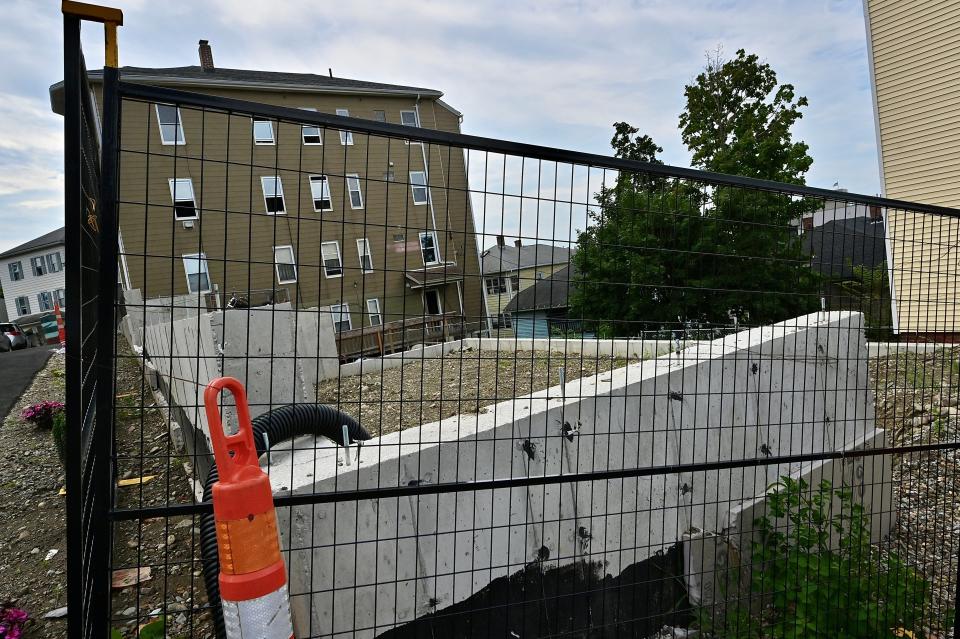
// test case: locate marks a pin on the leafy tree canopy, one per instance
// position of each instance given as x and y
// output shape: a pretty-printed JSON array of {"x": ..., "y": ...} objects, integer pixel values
[{"x": 661, "y": 252}]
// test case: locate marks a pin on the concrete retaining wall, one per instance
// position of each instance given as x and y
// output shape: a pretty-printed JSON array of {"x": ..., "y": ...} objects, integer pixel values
[{"x": 795, "y": 387}]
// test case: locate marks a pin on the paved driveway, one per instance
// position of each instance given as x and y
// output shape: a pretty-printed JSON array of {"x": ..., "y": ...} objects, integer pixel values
[{"x": 17, "y": 369}]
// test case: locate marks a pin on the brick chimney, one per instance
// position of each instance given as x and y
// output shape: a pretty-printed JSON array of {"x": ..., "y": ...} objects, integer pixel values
[
  {"x": 500, "y": 241},
  {"x": 206, "y": 56},
  {"x": 518, "y": 242}
]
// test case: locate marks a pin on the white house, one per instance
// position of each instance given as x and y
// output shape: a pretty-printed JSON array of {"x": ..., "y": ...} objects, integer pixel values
[{"x": 32, "y": 275}]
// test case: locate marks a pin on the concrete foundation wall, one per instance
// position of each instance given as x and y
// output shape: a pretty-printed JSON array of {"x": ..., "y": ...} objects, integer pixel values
[{"x": 796, "y": 387}]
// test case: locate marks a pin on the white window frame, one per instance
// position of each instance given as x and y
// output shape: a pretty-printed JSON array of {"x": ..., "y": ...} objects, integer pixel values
[
  {"x": 38, "y": 266},
  {"x": 416, "y": 122},
  {"x": 436, "y": 248},
  {"x": 60, "y": 296},
  {"x": 44, "y": 301},
  {"x": 23, "y": 305},
  {"x": 374, "y": 311},
  {"x": 177, "y": 185},
  {"x": 323, "y": 259},
  {"x": 341, "y": 311},
  {"x": 15, "y": 270},
  {"x": 179, "y": 127},
  {"x": 499, "y": 282},
  {"x": 324, "y": 181},
  {"x": 353, "y": 180},
  {"x": 277, "y": 263},
  {"x": 303, "y": 131},
  {"x": 361, "y": 244},
  {"x": 277, "y": 192},
  {"x": 200, "y": 259},
  {"x": 54, "y": 262},
  {"x": 346, "y": 137},
  {"x": 263, "y": 141},
  {"x": 414, "y": 186}
]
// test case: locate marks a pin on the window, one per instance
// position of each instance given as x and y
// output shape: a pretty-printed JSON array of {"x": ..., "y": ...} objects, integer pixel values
[
  {"x": 346, "y": 137},
  {"x": 16, "y": 271},
  {"x": 366, "y": 257},
  {"x": 171, "y": 127},
  {"x": 23, "y": 305},
  {"x": 61, "y": 296},
  {"x": 418, "y": 187},
  {"x": 341, "y": 317},
  {"x": 379, "y": 116},
  {"x": 184, "y": 202},
  {"x": 332, "y": 266},
  {"x": 320, "y": 190},
  {"x": 502, "y": 321},
  {"x": 39, "y": 266},
  {"x": 285, "y": 263},
  {"x": 45, "y": 300},
  {"x": 353, "y": 187},
  {"x": 496, "y": 285},
  {"x": 428, "y": 248},
  {"x": 373, "y": 312},
  {"x": 311, "y": 134},
  {"x": 54, "y": 262},
  {"x": 409, "y": 118},
  {"x": 262, "y": 131},
  {"x": 198, "y": 277},
  {"x": 431, "y": 302},
  {"x": 273, "y": 195},
  {"x": 515, "y": 282}
]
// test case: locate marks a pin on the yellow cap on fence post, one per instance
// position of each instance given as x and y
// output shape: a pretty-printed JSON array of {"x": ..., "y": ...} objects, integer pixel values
[{"x": 111, "y": 19}]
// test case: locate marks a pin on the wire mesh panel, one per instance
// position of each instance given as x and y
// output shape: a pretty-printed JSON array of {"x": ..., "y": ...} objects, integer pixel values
[{"x": 510, "y": 391}]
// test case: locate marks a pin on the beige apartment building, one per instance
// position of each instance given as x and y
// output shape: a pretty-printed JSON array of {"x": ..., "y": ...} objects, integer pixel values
[
  {"x": 914, "y": 48},
  {"x": 219, "y": 206}
]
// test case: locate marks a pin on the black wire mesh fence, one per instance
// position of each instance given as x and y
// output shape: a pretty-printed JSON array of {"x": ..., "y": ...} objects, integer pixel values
[{"x": 568, "y": 395}]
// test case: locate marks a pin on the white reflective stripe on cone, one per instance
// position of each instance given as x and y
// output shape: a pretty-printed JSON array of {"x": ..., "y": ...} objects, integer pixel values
[{"x": 266, "y": 617}]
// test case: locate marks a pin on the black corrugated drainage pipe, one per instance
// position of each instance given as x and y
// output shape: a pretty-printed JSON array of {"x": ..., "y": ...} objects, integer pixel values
[{"x": 279, "y": 425}]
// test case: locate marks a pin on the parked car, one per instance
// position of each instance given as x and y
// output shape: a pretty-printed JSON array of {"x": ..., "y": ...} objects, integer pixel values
[
  {"x": 15, "y": 334},
  {"x": 5, "y": 345}
]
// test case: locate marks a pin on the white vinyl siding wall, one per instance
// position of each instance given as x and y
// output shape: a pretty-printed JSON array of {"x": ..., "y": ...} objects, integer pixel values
[{"x": 30, "y": 286}]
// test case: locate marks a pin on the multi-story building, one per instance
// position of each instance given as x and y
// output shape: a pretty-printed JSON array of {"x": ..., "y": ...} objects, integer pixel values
[
  {"x": 32, "y": 275},
  {"x": 507, "y": 270},
  {"x": 914, "y": 66},
  {"x": 223, "y": 206}
]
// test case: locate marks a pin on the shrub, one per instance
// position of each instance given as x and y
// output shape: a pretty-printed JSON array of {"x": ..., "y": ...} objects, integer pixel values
[
  {"x": 41, "y": 414},
  {"x": 59, "y": 433},
  {"x": 816, "y": 575}
]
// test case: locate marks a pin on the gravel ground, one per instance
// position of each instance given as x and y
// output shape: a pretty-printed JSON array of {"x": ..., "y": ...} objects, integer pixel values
[
  {"x": 917, "y": 397},
  {"x": 462, "y": 382},
  {"x": 34, "y": 523}
]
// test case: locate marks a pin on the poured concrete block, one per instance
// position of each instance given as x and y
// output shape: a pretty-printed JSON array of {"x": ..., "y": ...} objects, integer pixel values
[{"x": 791, "y": 388}]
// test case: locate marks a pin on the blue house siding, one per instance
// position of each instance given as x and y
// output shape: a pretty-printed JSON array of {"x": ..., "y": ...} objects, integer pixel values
[{"x": 531, "y": 324}]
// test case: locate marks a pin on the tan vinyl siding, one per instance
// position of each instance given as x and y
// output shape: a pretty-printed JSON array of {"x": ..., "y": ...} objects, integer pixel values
[
  {"x": 915, "y": 47},
  {"x": 237, "y": 235}
]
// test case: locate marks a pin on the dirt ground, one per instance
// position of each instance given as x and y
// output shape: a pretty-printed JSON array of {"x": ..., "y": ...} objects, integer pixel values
[
  {"x": 33, "y": 552},
  {"x": 30, "y": 480},
  {"x": 462, "y": 382},
  {"x": 917, "y": 401}
]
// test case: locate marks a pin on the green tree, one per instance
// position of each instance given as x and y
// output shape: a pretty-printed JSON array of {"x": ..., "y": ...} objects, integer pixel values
[{"x": 668, "y": 251}]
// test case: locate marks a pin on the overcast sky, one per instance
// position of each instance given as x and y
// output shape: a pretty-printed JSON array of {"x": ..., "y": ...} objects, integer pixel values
[{"x": 552, "y": 73}]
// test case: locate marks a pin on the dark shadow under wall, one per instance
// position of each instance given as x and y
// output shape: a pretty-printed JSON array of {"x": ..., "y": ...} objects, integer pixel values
[{"x": 574, "y": 600}]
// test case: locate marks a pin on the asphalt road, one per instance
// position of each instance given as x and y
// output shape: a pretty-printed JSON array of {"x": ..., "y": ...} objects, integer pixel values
[{"x": 17, "y": 369}]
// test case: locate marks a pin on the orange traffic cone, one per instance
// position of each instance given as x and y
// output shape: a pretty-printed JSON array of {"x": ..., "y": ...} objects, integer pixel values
[
  {"x": 61, "y": 331},
  {"x": 253, "y": 579}
]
